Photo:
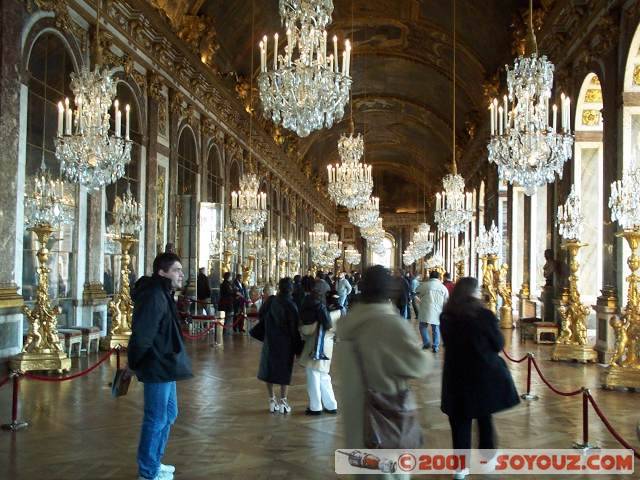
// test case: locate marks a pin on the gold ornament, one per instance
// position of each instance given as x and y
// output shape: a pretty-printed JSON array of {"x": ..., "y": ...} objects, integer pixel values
[
  {"x": 226, "y": 261},
  {"x": 571, "y": 344},
  {"x": 489, "y": 290},
  {"x": 42, "y": 350},
  {"x": 121, "y": 305},
  {"x": 624, "y": 370},
  {"x": 247, "y": 269},
  {"x": 460, "y": 269},
  {"x": 504, "y": 290}
]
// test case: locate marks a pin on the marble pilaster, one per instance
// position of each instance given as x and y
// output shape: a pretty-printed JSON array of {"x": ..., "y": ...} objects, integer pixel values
[{"x": 13, "y": 101}]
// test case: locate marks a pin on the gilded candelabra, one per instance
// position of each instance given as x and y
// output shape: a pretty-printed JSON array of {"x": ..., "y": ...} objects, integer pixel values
[
  {"x": 572, "y": 341},
  {"x": 624, "y": 370},
  {"x": 121, "y": 305},
  {"x": 126, "y": 226},
  {"x": 42, "y": 350},
  {"x": 460, "y": 269},
  {"x": 504, "y": 290}
]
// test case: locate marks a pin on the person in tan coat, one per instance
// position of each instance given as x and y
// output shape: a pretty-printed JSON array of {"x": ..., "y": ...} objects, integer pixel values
[{"x": 387, "y": 344}]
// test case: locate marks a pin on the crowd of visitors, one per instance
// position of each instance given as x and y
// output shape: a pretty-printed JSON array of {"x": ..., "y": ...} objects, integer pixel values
[{"x": 362, "y": 321}]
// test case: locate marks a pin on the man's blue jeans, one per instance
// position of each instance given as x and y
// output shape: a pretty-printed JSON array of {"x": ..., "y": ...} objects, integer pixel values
[
  {"x": 424, "y": 332},
  {"x": 160, "y": 412}
]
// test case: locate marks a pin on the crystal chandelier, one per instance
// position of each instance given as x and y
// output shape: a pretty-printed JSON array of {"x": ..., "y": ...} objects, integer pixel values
[
  {"x": 452, "y": 212},
  {"x": 307, "y": 92},
  {"x": 422, "y": 240},
  {"x": 489, "y": 243},
  {"x": 570, "y": 218},
  {"x": 460, "y": 253},
  {"x": 435, "y": 261},
  {"x": 453, "y": 207},
  {"x": 334, "y": 249},
  {"x": 528, "y": 150},
  {"x": 318, "y": 237},
  {"x": 374, "y": 232},
  {"x": 366, "y": 214},
  {"x": 351, "y": 255},
  {"x": 350, "y": 182},
  {"x": 44, "y": 201},
  {"x": 87, "y": 153},
  {"x": 249, "y": 206},
  {"x": 410, "y": 255},
  {"x": 624, "y": 201},
  {"x": 127, "y": 218}
]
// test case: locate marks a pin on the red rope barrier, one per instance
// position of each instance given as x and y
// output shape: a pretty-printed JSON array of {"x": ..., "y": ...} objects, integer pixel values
[
  {"x": 612, "y": 431},
  {"x": 4, "y": 382},
  {"x": 553, "y": 389},
  {"x": 201, "y": 334},
  {"x": 513, "y": 359},
  {"x": 70, "y": 377}
]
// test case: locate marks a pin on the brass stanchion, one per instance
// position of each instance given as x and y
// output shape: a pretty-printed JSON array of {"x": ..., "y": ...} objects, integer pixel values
[
  {"x": 624, "y": 370},
  {"x": 121, "y": 305},
  {"x": 42, "y": 350}
]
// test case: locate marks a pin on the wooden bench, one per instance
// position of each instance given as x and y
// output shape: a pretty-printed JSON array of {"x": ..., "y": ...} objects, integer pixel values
[
  {"x": 545, "y": 328},
  {"x": 71, "y": 340},
  {"x": 90, "y": 337},
  {"x": 527, "y": 328}
]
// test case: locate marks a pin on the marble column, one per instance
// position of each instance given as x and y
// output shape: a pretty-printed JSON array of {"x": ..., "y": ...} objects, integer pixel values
[
  {"x": 13, "y": 109},
  {"x": 151, "y": 199}
]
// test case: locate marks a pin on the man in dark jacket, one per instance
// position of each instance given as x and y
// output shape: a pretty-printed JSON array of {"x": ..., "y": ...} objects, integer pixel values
[
  {"x": 227, "y": 297},
  {"x": 157, "y": 356},
  {"x": 203, "y": 291}
]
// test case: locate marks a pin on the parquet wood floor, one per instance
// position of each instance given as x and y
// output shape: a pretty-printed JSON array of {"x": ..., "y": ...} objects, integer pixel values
[{"x": 78, "y": 431}]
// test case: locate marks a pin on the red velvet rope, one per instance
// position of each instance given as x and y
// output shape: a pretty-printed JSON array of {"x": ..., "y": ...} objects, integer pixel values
[
  {"x": 201, "y": 334},
  {"x": 513, "y": 359},
  {"x": 70, "y": 377},
  {"x": 554, "y": 390},
  {"x": 615, "y": 434},
  {"x": 4, "y": 382}
]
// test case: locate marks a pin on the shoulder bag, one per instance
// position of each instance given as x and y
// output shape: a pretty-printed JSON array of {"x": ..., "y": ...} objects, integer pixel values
[{"x": 390, "y": 419}]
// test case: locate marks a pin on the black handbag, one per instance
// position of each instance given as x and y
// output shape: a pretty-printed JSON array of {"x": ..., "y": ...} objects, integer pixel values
[
  {"x": 257, "y": 331},
  {"x": 390, "y": 419}
]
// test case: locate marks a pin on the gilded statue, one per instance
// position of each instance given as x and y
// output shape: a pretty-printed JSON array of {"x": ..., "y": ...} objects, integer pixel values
[
  {"x": 622, "y": 339},
  {"x": 504, "y": 289}
]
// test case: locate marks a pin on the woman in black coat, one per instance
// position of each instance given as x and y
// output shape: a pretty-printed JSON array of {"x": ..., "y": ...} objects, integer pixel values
[
  {"x": 282, "y": 342},
  {"x": 475, "y": 380}
]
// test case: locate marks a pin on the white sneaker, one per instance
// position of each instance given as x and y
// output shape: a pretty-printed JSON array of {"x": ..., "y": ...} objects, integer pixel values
[
  {"x": 167, "y": 468},
  {"x": 284, "y": 406},
  {"x": 461, "y": 474},
  {"x": 273, "y": 405},
  {"x": 160, "y": 476}
]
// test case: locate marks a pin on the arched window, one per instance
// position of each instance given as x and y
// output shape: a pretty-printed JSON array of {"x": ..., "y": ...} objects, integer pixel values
[
  {"x": 387, "y": 258},
  {"x": 49, "y": 69},
  {"x": 588, "y": 183},
  {"x": 187, "y": 163},
  {"x": 214, "y": 176},
  {"x": 186, "y": 240},
  {"x": 130, "y": 180}
]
